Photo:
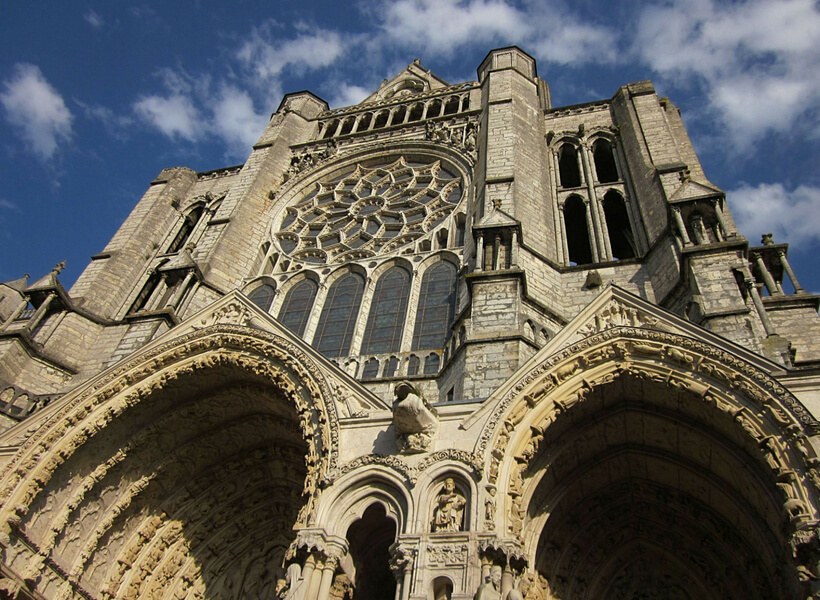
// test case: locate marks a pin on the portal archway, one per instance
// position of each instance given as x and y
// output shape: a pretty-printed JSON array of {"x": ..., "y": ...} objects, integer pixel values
[
  {"x": 180, "y": 474},
  {"x": 643, "y": 464}
]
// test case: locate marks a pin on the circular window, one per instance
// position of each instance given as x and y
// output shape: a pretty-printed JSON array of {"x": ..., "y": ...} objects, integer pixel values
[{"x": 369, "y": 210}]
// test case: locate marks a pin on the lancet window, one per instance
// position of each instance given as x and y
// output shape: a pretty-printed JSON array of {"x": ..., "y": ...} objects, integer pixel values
[
  {"x": 436, "y": 307},
  {"x": 295, "y": 309},
  {"x": 621, "y": 238},
  {"x": 577, "y": 231},
  {"x": 388, "y": 311},
  {"x": 338, "y": 320},
  {"x": 262, "y": 296}
]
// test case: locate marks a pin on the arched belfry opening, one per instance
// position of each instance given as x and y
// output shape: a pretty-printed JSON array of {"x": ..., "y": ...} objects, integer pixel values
[
  {"x": 639, "y": 490},
  {"x": 192, "y": 490},
  {"x": 369, "y": 540}
]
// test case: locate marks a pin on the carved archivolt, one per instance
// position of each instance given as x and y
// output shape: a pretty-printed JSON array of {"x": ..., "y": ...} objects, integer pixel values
[
  {"x": 754, "y": 407},
  {"x": 408, "y": 473},
  {"x": 263, "y": 361}
]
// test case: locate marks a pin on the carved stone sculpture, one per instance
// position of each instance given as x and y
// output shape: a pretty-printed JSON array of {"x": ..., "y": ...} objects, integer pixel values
[
  {"x": 491, "y": 588},
  {"x": 448, "y": 515},
  {"x": 414, "y": 419}
]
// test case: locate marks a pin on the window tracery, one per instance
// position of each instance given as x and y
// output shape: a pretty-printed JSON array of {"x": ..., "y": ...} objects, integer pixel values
[{"x": 370, "y": 210}]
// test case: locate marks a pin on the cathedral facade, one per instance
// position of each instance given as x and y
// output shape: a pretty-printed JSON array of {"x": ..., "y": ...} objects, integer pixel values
[{"x": 452, "y": 342}]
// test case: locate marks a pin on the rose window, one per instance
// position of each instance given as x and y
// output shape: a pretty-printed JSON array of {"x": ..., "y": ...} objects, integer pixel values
[{"x": 369, "y": 210}]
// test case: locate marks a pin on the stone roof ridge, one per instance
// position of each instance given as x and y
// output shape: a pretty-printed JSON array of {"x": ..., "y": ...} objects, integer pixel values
[
  {"x": 19, "y": 284},
  {"x": 413, "y": 79},
  {"x": 692, "y": 190},
  {"x": 497, "y": 218},
  {"x": 48, "y": 281}
]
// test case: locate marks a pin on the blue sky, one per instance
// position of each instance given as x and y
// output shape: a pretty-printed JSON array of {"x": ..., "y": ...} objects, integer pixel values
[{"x": 96, "y": 98}]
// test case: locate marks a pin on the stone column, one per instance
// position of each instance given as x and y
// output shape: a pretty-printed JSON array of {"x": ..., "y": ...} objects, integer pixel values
[
  {"x": 787, "y": 267},
  {"x": 506, "y": 580},
  {"x": 40, "y": 312},
  {"x": 681, "y": 226},
  {"x": 514, "y": 250},
  {"x": 719, "y": 217},
  {"x": 758, "y": 302},
  {"x": 591, "y": 232},
  {"x": 156, "y": 295},
  {"x": 563, "y": 233},
  {"x": 181, "y": 290},
  {"x": 698, "y": 230},
  {"x": 479, "y": 253},
  {"x": 767, "y": 277},
  {"x": 496, "y": 252},
  {"x": 17, "y": 312},
  {"x": 326, "y": 580},
  {"x": 603, "y": 251},
  {"x": 307, "y": 578}
]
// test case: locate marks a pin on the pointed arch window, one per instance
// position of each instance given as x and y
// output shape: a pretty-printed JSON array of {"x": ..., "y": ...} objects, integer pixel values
[
  {"x": 338, "y": 319},
  {"x": 262, "y": 296},
  {"x": 604, "y": 161},
  {"x": 437, "y": 304},
  {"x": 575, "y": 225},
  {"x": 568, "y": 171},
  {"x": 388, "y": 310},
  {"x": 295, "y": 309},
  {"x": 621, "y": 239},
  {"x": 191, "y": 219}
]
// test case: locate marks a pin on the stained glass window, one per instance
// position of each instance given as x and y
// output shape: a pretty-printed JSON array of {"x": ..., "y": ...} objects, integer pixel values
[
  {"x": 338, "y": 319},
  {"x": 387, "y": 313},
  {"x": 295, "y": 309},
  {"x": 437, "y": 303},
  {"x": 262, "y": 296}
]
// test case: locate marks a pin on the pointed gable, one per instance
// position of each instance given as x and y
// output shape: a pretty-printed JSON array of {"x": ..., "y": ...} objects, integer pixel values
[{"x": 414, "y": 79}]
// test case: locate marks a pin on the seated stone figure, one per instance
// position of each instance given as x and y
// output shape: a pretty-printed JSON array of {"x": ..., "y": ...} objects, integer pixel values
[
  {"x": 448, "y": 514},
  {"x": 414, "y": 419}
]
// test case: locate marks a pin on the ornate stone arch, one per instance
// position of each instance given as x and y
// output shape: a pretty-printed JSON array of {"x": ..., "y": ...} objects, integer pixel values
[
  {"x": 210, "y": 441},
  {"x": 752, "y": 427},
  {"x": 363, "y": 484}
]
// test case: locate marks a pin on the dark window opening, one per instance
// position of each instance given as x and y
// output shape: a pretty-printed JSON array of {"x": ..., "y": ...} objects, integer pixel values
[
  {"x": 330, "y": 128},
  {"x": 145, "y": 293},
  {"x": 413, "y": 365},
  {"x": 381, "y": 119},
  {"x": 338, "y": 319},
  {"x": 385, "y": 323},
  {"x": 605, "y": 166},
  {"x": 262, "y": 296},
  {"x": 398, "y": 116},
  {"x": 391, "y": 366},
  {"x": 364, "y": 122},
  {"x": 621, "y": 239},
  {"x": 575, "y": 224},
  {"x": 460, "y": 226},
  {"x": 431, "y": 364},
  {"x": 347, "y": 126},
  {"x": 568, "y": 170},
  {"x": 434, "y": 109},
  {"x": 437, "y": 303},
  {"x": 465, "y": 105},
  {"x": 371, "y": 369},
  {"x": 416, "y": 112},
  {"x": 451, "y": 107},
  {"x": 369, "y": 540},
  {"x": 295, "y": 309},
  {"x": 191, "y": 219}
]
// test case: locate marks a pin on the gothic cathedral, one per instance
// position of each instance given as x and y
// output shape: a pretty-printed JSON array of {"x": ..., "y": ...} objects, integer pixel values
[{"x": 450, "y": 343}]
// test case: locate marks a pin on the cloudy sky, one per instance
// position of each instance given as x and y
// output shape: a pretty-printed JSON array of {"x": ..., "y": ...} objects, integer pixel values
[{"x": 97, "y": 97}]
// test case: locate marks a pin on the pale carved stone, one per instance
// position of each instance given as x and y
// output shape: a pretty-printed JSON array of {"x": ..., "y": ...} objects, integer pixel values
[
  {"x": 490, "y": 589},
  {"x": 414, "y": 419},
  {"x": 448, "y": 514}
]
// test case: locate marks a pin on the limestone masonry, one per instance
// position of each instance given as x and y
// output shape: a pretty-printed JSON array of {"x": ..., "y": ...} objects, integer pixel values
[{"x": 451, "y": 342}]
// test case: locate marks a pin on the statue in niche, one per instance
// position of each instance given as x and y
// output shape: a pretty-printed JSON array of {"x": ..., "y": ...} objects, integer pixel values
[
  {"x": 520, "y": 592},
  {"x": 413, "y": 419},
  {"x": 449, "y": 511},
  {"x": 491, "y": 588}
]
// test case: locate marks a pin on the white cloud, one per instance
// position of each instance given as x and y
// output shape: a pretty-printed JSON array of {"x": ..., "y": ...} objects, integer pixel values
[
  {"x": 174, "y": 115},
  {"x": 236, "y": 121},
  {"x": 759, "y": 61},
  {"x": 36, "y": 110},
  {"x": 9, "y": 205},
  {"x": 268, "y": 59},
  {"x": 348, "y": 95},
  {"x": 792, "y": 216},
  {"x": 441, "y": 26},
  {"x": 94, "y": 19}
]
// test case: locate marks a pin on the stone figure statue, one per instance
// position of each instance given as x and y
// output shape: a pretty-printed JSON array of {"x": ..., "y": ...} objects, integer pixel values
[
  {"x": 414, "y": 419},
  {"x": 520, "y": 592},
  {"x": 491, "y": 588},
  {"x": 449, "y": 508}
]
